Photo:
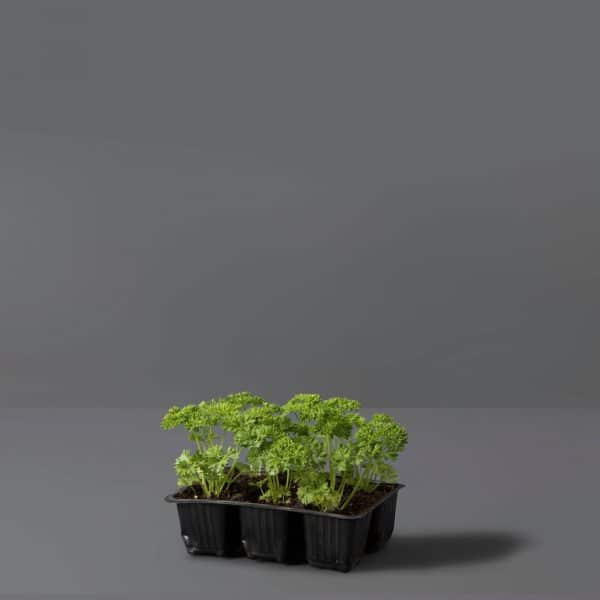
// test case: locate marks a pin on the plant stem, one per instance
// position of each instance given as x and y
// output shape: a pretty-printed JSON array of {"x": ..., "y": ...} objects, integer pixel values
[
  {"x": 330, "y": 466},
  {"x": 350, "y": 496}
]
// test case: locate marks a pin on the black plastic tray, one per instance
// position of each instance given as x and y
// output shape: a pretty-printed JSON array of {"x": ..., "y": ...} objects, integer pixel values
[{"x": 284, "y": 534}]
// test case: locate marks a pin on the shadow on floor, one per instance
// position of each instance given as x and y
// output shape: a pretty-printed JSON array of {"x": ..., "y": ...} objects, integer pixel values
[{"x": 432, "y": 550}]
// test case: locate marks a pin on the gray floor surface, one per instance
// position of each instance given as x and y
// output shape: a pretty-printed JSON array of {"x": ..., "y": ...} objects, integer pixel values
[{"x": 499, "y": 503}]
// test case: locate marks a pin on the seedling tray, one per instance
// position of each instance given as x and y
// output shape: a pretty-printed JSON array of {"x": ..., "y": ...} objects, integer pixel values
[{"x": 283, "y": 534}]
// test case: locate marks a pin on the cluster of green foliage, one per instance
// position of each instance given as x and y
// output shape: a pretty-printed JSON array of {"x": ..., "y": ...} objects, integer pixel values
[
  {"x": 215, "y": 463},
  {"x": 351, "y": 454},
  {"x": 276, "y": 449},
  {"x": 321, "y": 448}
]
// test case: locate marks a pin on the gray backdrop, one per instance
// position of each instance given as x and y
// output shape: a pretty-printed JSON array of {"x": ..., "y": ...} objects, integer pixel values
[{"x": 395, "y": 201}]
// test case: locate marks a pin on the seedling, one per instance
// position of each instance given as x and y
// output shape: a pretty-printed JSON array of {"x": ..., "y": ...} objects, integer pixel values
[
  {"x": 215, "y": 464},
  {"x": 277, "y": 449},
  {"x": 351, "y": 453}
]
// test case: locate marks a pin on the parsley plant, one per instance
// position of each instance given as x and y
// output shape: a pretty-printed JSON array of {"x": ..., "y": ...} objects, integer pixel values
[{"x": 214, "y": 464}]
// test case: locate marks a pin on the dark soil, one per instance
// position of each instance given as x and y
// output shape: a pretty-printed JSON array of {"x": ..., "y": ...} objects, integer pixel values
[
  {"x": 364, "y": 500},
  {"x": 246, "y": 489}
]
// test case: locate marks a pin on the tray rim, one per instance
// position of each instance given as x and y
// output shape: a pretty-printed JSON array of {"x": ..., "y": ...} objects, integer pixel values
[{"x": 170, "y": 498}]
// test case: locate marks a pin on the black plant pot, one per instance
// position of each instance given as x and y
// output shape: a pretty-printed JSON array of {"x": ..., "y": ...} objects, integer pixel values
[
  {"x": 210, "y": 528},
  {"x": 383, "y": 518},
  {"x": 285, "y": 535},
  {"x": 336, "y": 543},
  {"x": 272, "y": 534}
]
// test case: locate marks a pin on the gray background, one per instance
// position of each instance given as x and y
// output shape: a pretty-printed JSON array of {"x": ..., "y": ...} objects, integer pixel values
[{"x": 396, "y": 201}]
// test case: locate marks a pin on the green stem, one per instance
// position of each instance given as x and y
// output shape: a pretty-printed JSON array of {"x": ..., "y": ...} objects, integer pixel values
[
  {"x": 330, "y": 466},
  {"x": 341, "y": 489},
  {"x": 204, "y": 485},
  {"x": 350, "y": 496}
]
